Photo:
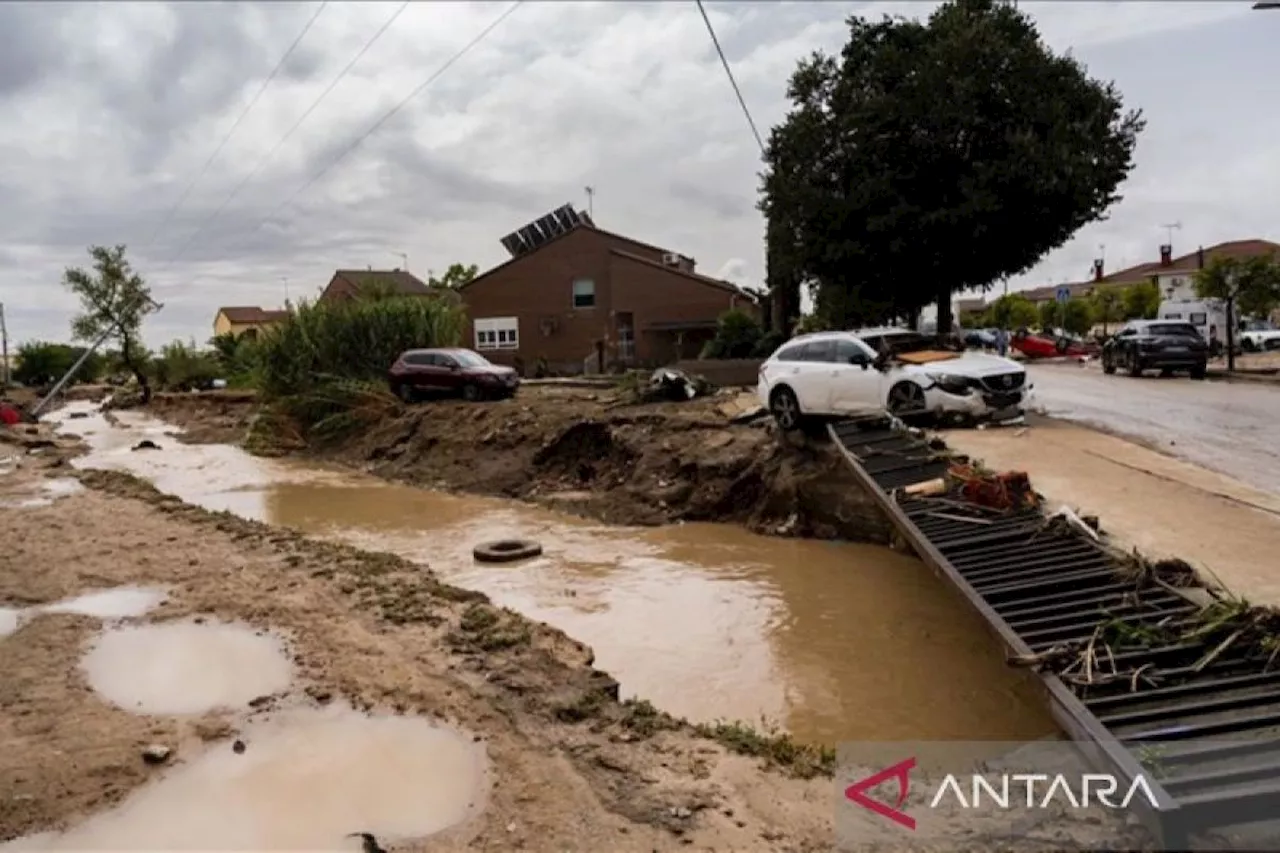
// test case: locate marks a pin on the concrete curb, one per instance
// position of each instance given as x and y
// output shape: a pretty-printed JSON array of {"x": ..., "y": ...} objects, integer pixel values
[{"x": 1221, "y": 375}]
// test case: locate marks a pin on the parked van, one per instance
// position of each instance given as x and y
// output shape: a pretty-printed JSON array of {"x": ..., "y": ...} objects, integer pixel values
[{"x": 1209, "y": 316}]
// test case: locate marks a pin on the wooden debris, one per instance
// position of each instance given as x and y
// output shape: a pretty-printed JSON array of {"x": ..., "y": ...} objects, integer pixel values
[{"x": 928, "y": 488}]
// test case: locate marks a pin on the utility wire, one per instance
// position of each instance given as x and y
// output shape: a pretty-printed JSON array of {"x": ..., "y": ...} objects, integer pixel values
[
  {"x": 265, "y": 83},
  {"x": 314, "y": 104},
  {"x": 732, "y": 82},
  {"x": 388, "y": 115}
]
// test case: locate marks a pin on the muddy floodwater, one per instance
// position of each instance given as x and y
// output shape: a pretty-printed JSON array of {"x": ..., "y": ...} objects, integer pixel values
[
  {"x": 305, "y": 780},
  {"x": 831, "y": 641}
]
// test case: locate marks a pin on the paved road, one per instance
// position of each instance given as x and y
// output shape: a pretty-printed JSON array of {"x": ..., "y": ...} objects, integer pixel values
[{"x": 1229, "y": 427}]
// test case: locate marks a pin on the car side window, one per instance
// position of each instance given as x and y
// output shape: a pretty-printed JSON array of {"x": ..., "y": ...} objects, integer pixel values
[
  {"x": 1127, "y": 332},
  {"x": 795, "y": 352},
  {"x": 418, "y": 359},
  {"x": 444, "y": 361},
  {"x": 847, "y": 352},
  {"x": 820, "y": 351}
]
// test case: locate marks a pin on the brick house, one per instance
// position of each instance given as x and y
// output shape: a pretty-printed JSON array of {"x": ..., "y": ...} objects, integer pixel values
[
  {"x": 587, "y": 299},
  {"x": 346, "y": 284}
]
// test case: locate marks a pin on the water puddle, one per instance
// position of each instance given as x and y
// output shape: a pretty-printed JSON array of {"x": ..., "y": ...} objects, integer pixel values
[
  {"x": 306, "y": 780},
  {"x": 834, "y": 641},
  {"x": 110, "y": 604},
  {"x": 41, "y": 493},
  {"x": 186, "y": 667},
  {"x": 9, "y": 620}
]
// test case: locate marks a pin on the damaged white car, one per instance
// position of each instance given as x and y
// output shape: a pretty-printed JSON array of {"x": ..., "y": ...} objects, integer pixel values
[{"x": 833, "y": 374}]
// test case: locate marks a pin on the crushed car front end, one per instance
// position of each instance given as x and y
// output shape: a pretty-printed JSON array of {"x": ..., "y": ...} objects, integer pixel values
[{"x": 958, "y": 395}]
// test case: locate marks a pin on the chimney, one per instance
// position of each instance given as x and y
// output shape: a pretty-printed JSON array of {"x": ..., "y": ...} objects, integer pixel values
[
  {"x": 1097, "y": 269},
  {"x": 1200, "y": 258},
  {"x": 1166, "y": 255}
]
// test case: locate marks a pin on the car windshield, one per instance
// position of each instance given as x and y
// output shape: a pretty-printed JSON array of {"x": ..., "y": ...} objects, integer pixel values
[
  {"x": 1175, "y": 329},
  {"x": 896, "y": 342},
  {"x": 466, "y": 358}
]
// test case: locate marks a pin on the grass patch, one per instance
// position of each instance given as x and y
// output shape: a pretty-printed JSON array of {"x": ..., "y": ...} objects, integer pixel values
[{"x": 802, "y": 760}]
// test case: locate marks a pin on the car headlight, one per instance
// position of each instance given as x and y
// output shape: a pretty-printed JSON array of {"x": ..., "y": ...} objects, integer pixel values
[{"x": 950, "y": 383}]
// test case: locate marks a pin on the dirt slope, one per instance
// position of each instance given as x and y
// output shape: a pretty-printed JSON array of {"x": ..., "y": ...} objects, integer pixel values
[{"x": 581, "y": 450}]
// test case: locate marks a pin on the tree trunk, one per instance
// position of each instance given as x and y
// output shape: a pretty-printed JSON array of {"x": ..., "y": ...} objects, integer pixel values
[
  {"x": 943, "y": 327},
  {"x": 126, "y": 353}
]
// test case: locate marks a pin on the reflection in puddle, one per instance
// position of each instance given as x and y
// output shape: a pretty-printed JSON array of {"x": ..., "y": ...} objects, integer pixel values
[
  {"x": 121, "y": 603},
  {"x": 306, "y": 780},
  {"x": 834, "y": 641},
  {"x": 186, "y": 668}
]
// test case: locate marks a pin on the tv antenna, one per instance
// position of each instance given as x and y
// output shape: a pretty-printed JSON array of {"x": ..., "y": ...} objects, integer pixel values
[
  {"x": 1170, "y": 228},
  {"x": 591, "y": 196}
]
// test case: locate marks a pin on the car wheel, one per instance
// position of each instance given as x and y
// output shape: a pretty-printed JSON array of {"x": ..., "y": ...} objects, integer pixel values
[
  {"x": 906, "y": 398},
  {"x": 406, "y": 393},
  {"x": 471, "y": 393},
  {"x": 785, "y": 408},
  {"x": 1135, "y": 366},
  {"x": 1199, "y": 371},
  {"x": 1248, "y": 345},
  {"x": 1108, "y": 366}
]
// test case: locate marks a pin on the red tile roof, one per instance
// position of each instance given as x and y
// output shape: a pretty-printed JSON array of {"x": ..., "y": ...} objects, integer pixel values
[{"x": 251, "y": 315}]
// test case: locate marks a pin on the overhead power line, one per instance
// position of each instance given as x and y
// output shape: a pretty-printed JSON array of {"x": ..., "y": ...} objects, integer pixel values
[
  {"x": 388, "y": 115},
  {"x": 265, "y": 83},
  {"x": 742, "y": 102},
  {"x": 297, "y": 124}
]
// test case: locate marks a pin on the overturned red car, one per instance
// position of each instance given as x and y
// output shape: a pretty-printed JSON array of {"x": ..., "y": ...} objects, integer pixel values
[{"x": 1050, "y": 346}]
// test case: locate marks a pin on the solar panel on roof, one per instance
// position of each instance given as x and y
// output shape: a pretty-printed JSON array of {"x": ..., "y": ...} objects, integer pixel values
[
  {"x": 549, "y": 228},
  {"x": 532, "y": 239},
  {"x": 565, "y": 216},
  {"x": 512, "y": 244}
]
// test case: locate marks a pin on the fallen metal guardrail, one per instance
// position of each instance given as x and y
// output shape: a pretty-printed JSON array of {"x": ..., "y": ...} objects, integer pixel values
[{"x": 1040, "y": 589}]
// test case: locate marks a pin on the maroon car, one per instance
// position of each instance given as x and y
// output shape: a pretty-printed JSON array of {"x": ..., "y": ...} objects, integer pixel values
[{"x": 422, "y": 372}]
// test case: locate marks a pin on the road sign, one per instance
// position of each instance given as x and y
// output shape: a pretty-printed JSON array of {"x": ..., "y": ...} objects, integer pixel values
[{"x": 1064, "y": 294}]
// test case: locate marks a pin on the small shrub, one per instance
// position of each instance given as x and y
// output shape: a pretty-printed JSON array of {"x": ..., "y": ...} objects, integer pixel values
[{"x": 737, "y": 335}]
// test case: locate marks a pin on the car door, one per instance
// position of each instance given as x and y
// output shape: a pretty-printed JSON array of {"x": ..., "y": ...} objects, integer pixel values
[
  {"x": 812, "y": 379},
  {"x": 418, "y": 371},
  {"x": 448, "y": 372},
  {"x": 855, "y": 386}
]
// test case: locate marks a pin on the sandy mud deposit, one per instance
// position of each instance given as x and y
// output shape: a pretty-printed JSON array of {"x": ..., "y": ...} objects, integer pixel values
[{"x": 581, "y": 450}]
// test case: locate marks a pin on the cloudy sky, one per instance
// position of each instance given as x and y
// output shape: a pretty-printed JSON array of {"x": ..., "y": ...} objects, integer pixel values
[{"x": 113, "y": 108}]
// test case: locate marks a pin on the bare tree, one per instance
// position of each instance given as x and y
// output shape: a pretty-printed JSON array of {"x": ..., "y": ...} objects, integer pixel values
[{"x": 113, "y": 301}]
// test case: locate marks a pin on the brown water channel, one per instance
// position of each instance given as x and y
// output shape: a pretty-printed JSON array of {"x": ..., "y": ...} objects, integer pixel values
[{"x": 831, "y": 641}]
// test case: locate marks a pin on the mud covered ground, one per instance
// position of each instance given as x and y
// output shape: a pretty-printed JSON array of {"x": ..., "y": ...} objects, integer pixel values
[
  {"x": 585, "y": 452},
  {"x": 574, "y": 769}
]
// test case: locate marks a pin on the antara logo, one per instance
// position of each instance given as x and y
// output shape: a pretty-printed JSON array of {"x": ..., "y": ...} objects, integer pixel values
[{"x": 1001, "y": 791}]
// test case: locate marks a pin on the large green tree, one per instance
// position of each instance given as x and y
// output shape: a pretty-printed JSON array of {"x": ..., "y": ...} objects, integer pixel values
[
  {"x": 113, "y": 301},
  {"x": 932, "y": 157},
  {"x": 1249, "y": 286}
]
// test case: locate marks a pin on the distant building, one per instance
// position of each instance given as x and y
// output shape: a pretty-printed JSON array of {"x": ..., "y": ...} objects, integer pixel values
[
  {"x": 584, "y": 299},
  {"x": 346, "y": 284},
  {"x": 245, "y": 320}
]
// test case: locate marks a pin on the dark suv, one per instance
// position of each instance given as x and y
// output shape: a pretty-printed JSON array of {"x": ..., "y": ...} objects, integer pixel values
[
  {"x": 1163, "y": 345},
  {"x": 419, "y": 372}
]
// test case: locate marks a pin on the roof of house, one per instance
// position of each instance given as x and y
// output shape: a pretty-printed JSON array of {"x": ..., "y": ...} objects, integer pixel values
[
  {"x": 692, "y": 276},
  {"x": 402, "y": 281},
  {"x": 251, "y": 315},
  {"x": 628, "y": 255},
  {"x": 1231, "y": 249}
]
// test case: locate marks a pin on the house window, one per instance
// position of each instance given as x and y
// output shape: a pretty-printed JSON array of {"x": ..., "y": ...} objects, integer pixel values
[
  {"x": 584, "y": 293},
  {"x": 497, "y": 333}
]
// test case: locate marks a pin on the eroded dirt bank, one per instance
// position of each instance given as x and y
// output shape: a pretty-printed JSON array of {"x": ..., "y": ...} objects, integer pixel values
[{"x": 584, "y": 452}]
